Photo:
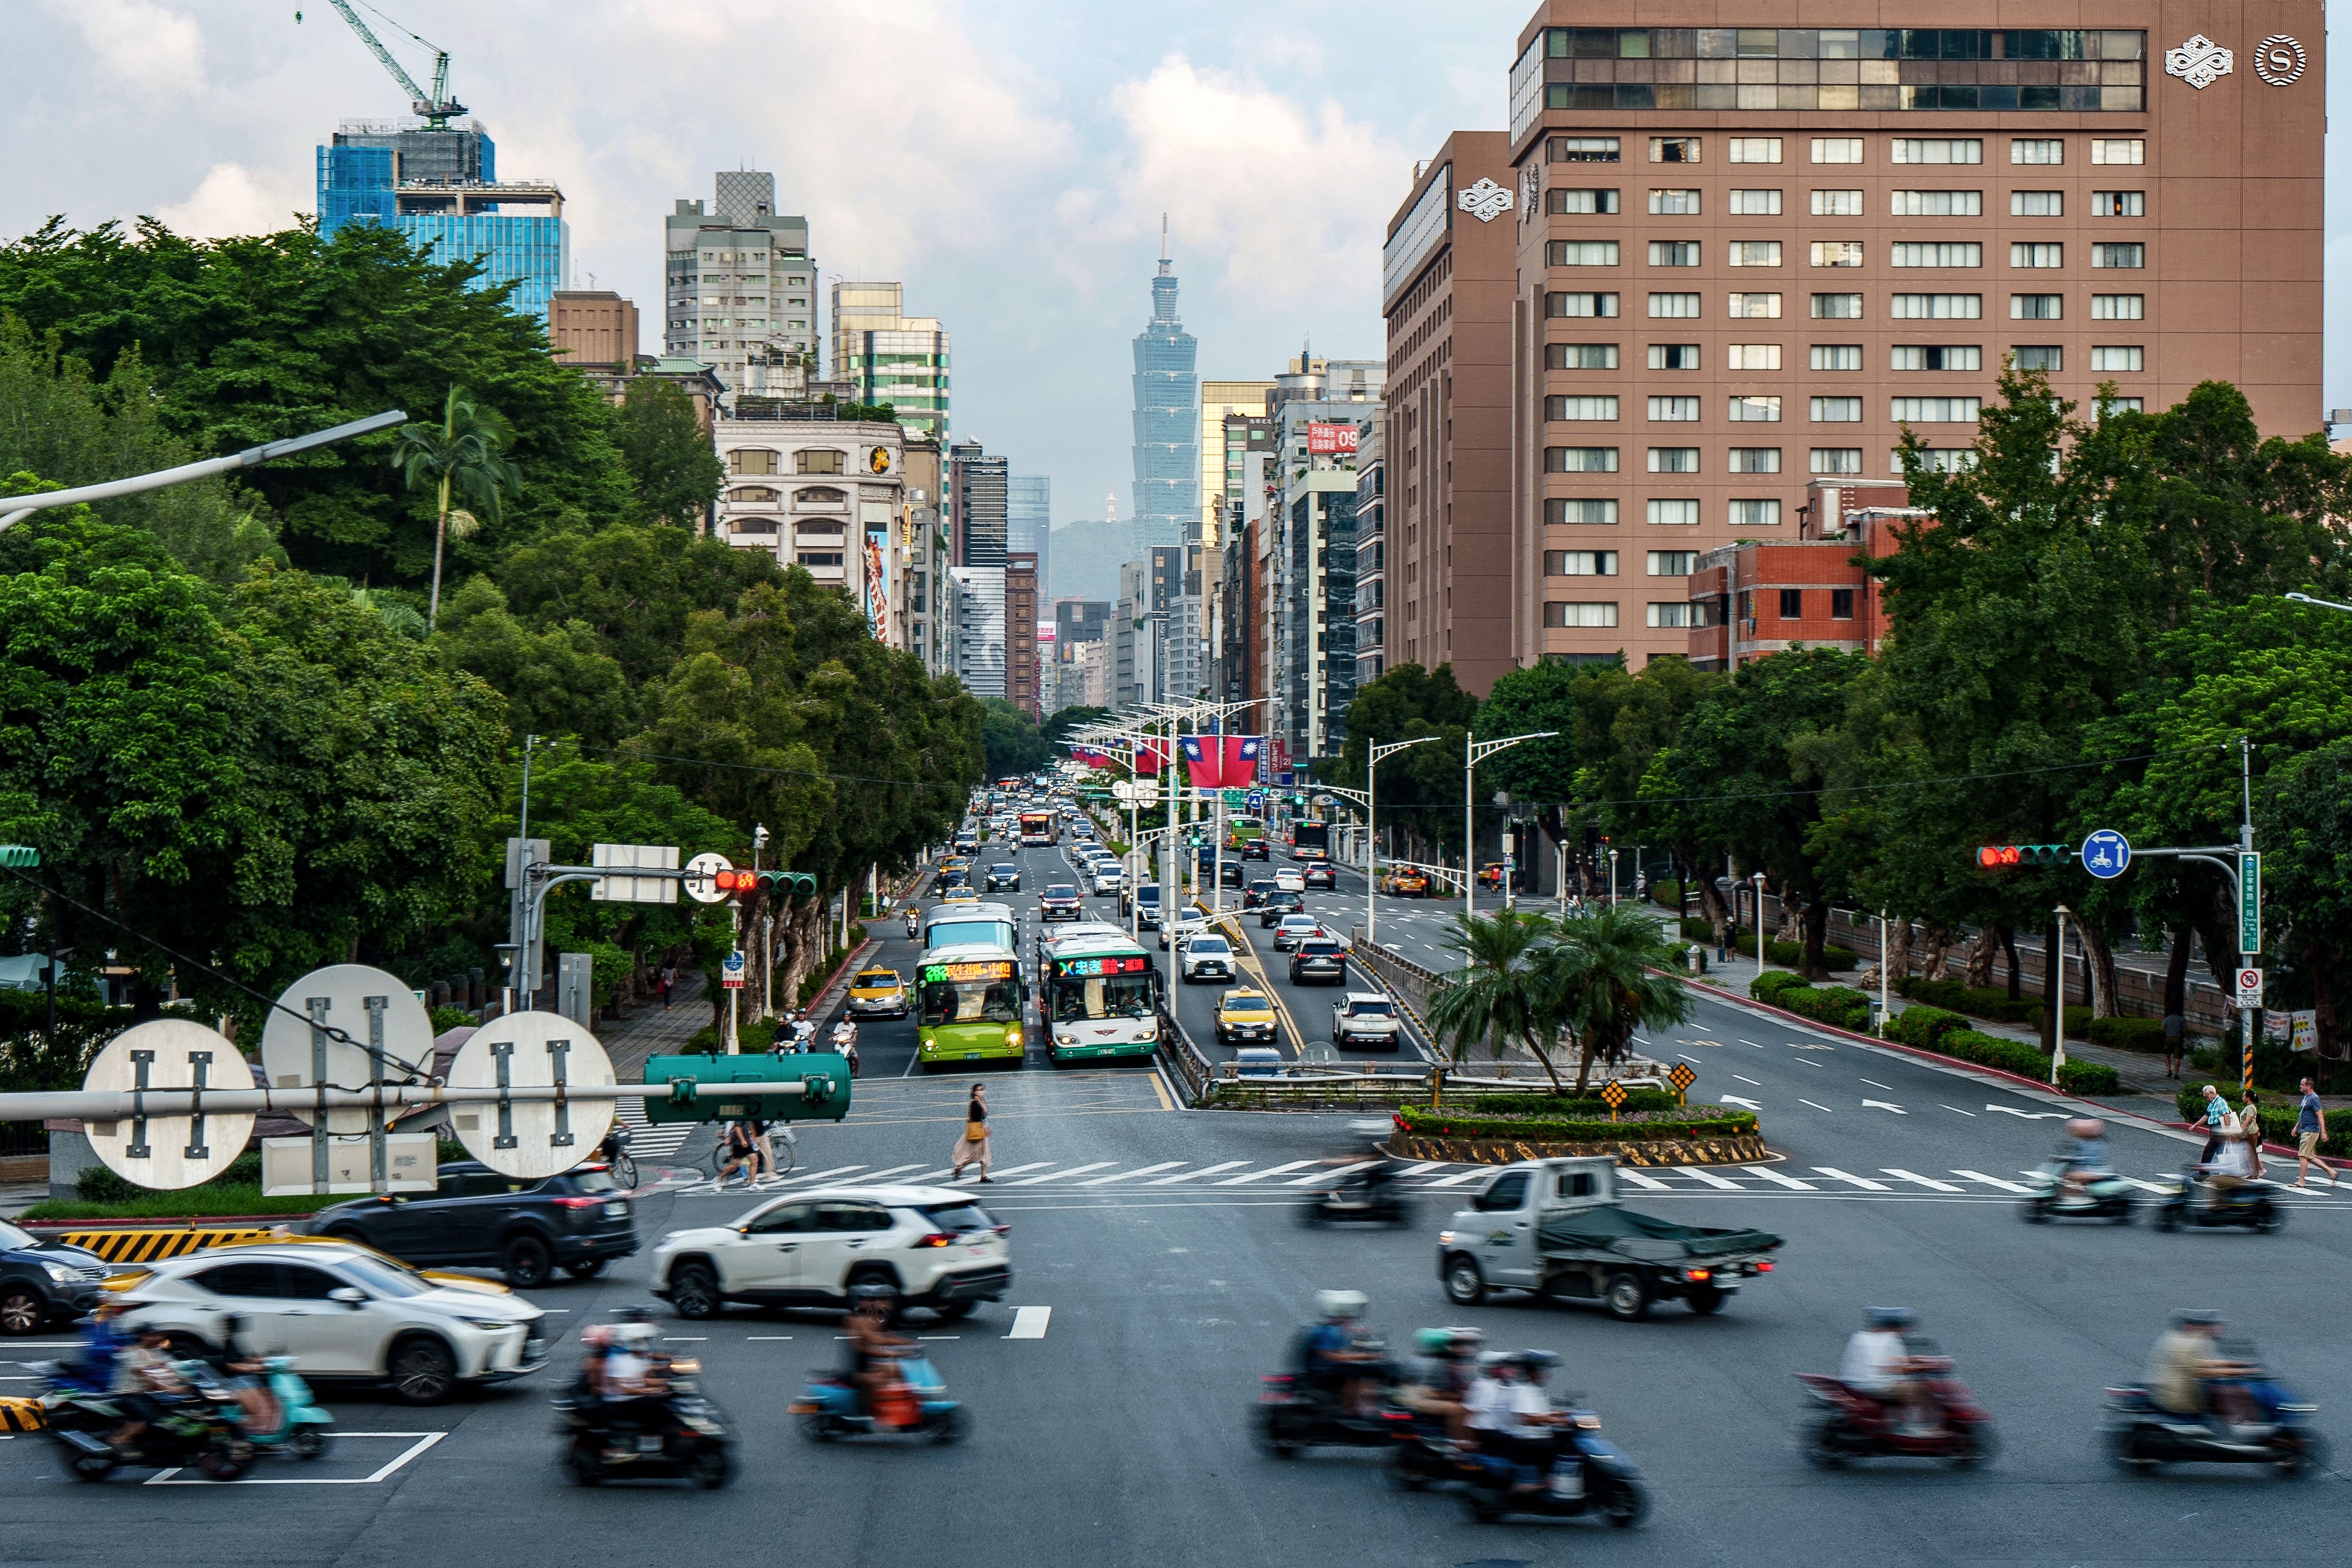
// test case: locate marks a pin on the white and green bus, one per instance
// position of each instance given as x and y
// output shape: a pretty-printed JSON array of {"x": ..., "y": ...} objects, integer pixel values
[
  {"x": 955, "y": 925},
  {"x": 1101, "y": 995},
  {"x": 968, "y": 1002}
]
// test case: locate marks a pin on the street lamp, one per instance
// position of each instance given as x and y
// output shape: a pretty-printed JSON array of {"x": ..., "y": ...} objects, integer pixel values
[
  {"x": 1473, "y": 752},
  {"x": 1758, "y": 879},
  {"x": 15, "y": 509},
  {"x": 2325, "y": 604},
  {"x": 1371, "y": 840}
]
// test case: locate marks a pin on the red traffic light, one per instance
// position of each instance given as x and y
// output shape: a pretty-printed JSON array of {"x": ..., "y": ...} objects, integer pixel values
[
  {"x": 728, "y": 882},
  {"x": 1991, "y": 855}
]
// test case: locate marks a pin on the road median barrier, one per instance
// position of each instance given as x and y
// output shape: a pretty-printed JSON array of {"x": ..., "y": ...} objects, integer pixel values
[
  {"x": 1649, "y": 1129},
  {"x": 150, "y": 1241}
]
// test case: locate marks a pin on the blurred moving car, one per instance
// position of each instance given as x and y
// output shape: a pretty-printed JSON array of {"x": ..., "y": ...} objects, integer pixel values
[{"x": 934, "y": 1246}]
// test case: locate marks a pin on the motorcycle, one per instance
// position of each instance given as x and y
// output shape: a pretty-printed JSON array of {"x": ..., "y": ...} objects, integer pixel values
[
  {"x": 2141, "y": 1436},
  {"x": 1589, "y": 1475},
  {"x": 2250, "y": 1205},
  {"x": 302, "y": 1422},
  {"x": 833, "y": 1406},
  {"x": 196, "y": 1430},
  {"x": 2104, "y": 1196},
  {"x": 691, "y": 1442},
  {"x": 845, "y": 1044},
  {"x": 1367, "y": 1195},
  {"x": 1852, "y": 1425},
  {"x": 913, "y": 920},
  {"x": 1295, "y": 1413}
]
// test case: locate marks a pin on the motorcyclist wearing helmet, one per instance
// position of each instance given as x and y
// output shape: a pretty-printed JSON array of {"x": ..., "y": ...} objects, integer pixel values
[
  {"x": 633, "y": 1389},
  {"x": 874, "y": 1350},
  {"x": 1454, "y": 1354},
  {"x": 2186, "y": 1376},
  {"x": 1878, "y": 1364},
  {"x": 1331, "y": 1357},
  {"x": 914, "y": 915}
]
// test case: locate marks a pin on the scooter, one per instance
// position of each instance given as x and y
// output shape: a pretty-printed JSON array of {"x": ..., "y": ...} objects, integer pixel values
[
  {"x": 1589, "y": 1475},
  {"x": 833, "y": 1406},
  {"x": 2185, "y": 1202},
  {"x": 1852, "y": 1425},
  {"x": 302, "y": 1423},
  {"x": 1367, "y": 1195},
  {"x": 196, "y": 1430},
  {"x": 1294, "y": 1414},
  {"x": 2104, "y": 1196},
  {"x": 913, "y": 920},
  {"x": 845, "y": 1044},
  {"x": 692, "y": 1442},
  {"x": 2141, "y": 1436}
]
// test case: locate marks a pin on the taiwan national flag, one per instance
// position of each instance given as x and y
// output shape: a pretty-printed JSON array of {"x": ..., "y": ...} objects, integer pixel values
[
  {"x": 1222, "y": 762},
  {"x": 1090, "y": 756},
  {"x": 1149, "y": 757}
]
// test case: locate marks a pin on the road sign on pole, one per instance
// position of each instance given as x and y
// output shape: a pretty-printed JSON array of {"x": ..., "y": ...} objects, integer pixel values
[
  {"x": 702, "y": 879},
  {"x": 731, "y": 972},
  {"x": 2106, "y": 854},
  {"x": 635, "y": 890},
  {"x": 2250, "y": 903},
  {"x": 2249, "y": 988},
  {"x": 539, "y": 1138},
  {"x": 161, "y": 1150}
]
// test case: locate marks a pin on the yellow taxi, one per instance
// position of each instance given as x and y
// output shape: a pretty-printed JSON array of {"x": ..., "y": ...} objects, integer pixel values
[
  {"x": 1244, "y": 1016},
  {"x": 1408, "y": 884},
  {"x": 877, "y": 994},
  {"x": 962, "y": 893}
]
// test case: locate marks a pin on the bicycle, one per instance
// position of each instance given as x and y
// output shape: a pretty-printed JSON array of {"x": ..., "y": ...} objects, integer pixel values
[
  {"x": 714, "y": 1166},
  {"x": 614, "y": 1151}
]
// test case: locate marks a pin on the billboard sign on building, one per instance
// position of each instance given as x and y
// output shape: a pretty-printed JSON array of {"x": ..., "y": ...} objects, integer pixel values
[{"x": 1337, "y": 440}]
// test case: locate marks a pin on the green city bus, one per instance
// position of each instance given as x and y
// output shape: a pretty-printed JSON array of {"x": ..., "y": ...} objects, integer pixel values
[
  {"x": 1241, "y": 830},
  {"x": 968, "y": 1005},
  {"x": 1102, "y": 995}
]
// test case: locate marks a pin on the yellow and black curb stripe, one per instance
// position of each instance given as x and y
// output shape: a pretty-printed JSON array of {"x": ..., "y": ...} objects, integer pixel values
[
  {"x": 151, "y": 1244},
  {"x": 21, "y": 1416}
]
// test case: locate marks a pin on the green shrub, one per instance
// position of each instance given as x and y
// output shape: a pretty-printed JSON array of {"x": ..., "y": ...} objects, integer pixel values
[
  {"x": 1994, "y": 1051},
  {"x": 100, "y": 1193},
  {"x": 1561, "y": 1107},
  {"x": 1690, "y": 1121},
  {"x": 448, "y": 1018},
  {"x": 1695, "y": 929},
  {"x": 2121, "y": 1034},
  {"x": 1988, "y": 1001},
  {"x": 1842, "y": 1006},
  {"x": 1769, "y": 985},
  {"x": 2088, "y": 1077},
  {"x": 1926, "y": 1026}
]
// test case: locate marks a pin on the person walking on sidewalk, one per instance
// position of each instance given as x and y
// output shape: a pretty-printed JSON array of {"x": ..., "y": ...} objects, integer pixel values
[
  {"x": 2175, "y": 1036},
  {"x": 668, "y": 982},
  {"x": 2310, "y": 1129},
  {"x": 972, "y": 1149}
]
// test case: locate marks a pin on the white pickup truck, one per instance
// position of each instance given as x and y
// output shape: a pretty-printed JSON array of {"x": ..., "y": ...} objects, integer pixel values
[{"x": 1556, "y": 1228}]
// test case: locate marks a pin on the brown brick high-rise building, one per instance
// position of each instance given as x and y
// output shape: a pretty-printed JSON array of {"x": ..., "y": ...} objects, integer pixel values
[
  {"x": 1750, "y": 256},
  {"x": 1021, "y": 629}
]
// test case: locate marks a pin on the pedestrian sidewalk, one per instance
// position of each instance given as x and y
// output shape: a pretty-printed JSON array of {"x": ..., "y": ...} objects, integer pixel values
[{"x": 652, "y": 1029}]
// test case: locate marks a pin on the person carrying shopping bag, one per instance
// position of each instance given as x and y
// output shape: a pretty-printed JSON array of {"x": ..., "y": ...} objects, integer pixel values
[{"x": 972, "y": 1149}]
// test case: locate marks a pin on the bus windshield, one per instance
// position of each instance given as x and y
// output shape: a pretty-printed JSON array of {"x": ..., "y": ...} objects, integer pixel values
[
  {"x": 990, "y": 993},
  {"x": 1101, "y": 997},
  {"x": 986, "y": 932}
]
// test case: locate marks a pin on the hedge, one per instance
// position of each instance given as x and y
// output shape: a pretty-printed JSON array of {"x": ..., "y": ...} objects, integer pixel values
[
  {"x": 2120, "y": 1034},
  {"x": 1987, "y": 1001},
  {"x": 2278, "y": 1116},
  {"x": 1926, "y": 1026},
  {"x": 1564, "y": 1107},
  {"x": 1690, "y": 1121}
]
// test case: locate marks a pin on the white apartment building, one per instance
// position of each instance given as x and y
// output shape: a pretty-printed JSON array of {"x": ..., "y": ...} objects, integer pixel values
[
  {"x": 824, "y": 494},
  {"x": 740, "y": 291}
]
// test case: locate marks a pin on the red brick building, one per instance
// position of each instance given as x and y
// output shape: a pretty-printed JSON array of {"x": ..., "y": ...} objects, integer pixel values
[{"x": 1754, "y": 597}]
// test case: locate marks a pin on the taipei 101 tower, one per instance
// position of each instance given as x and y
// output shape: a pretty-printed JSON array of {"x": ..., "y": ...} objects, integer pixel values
[{"x": 1167, "y": 418}]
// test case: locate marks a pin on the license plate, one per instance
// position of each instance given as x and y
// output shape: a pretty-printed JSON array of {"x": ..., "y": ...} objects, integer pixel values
[
  {"x": 649, "y": 1445},
  {"x": 615, "y": 1210}
]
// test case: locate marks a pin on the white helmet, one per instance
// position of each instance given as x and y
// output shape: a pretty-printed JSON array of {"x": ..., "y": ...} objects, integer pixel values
[
  {"x": 636, "y": 1337},
  {"x": 1341, "y": 1304}
]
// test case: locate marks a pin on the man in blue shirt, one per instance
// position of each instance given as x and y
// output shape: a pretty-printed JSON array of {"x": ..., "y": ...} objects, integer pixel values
[
  {"x": 2310, "y": 1128},
  {"x": 1329, "y": 1355}
]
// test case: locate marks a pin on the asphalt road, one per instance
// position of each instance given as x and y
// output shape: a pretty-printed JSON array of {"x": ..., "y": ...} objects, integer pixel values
[{"x": 1166, "y": 1249}]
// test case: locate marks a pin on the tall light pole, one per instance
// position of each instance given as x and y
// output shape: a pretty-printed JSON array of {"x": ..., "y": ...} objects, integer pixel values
[
  {"x": 1473, "y": 752},
  {"x": 1372, "y": 838},
  {"x": 1759, "y": 880},
  {"x": 15, "y": 509}
]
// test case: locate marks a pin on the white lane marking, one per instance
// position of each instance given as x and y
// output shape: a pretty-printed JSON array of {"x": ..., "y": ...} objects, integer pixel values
[
  {"x": 1711, "y": 1179},
  {"x": 1061, "y": 1175},
  {"x": 1328, "y": 1176},
  {"x": 1016, "y": 1170},
  {"x": 1029, "y": 1322},
  {"x": 768, "y": 1339},
  {"x": 888, "y": 1171},
  {"x": 1747, "y": 1079},
  {"x": 1130, "y": 1175},
  {"x": 1992, "y": 1181},
  {"x": 2028, "y": 1115},
  {"x": 1464, "y": 1178},
  {"x": 1816, "y": 1104},
  {"x": 1741, "y": 1102},
  {"x": 1270, "y": 1171},
  {"x": 1882, "y": 1105},
  {"x": 685, "y": 1339},
  {"x": 1771, "y": 1174},
  {"x": 1928, "y": 1182},
  {"x": 423, "y": 1440},
  {"x": 1875, "y": 1084},
  {"x": 1809, "y": 1064},
  {"x": 1194, "y": 1175},
  {"x": 1693, "y": 1060},
  {"x": 1865, "y": 1183},
  {"x": 1746, "y": 1042},
  {"x": 818, "y": 1175},
  {"x": 2149, "y": 1186},
  {"x": 1957, "y": 1112},
  {"x": 1627, "y": 1174}
]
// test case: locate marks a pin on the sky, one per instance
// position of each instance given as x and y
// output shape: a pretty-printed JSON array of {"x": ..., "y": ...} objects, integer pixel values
[{"x": 1009, "y": 162}]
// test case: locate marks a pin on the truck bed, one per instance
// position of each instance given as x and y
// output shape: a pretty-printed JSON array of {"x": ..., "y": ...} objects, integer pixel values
[{"x": 1643, "y": 1239}]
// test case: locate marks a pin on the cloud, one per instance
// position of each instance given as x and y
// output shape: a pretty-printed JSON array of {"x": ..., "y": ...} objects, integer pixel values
[
  {"x": 139, "y": 45},
  {"x": 1293, "y": 196},
  {"x": 232, "y": 199}
]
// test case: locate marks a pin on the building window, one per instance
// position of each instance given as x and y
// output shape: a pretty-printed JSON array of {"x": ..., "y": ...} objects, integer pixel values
[
  {"x": 1756, "y": 204},
  {"x": 2036, "y": 307},
  {"x": 1754, "y": 460},
  {"x": 1755, "y": 150},
  {"x": 1754, "y": 307},
  {"x": 1841, "y": 603},
  {"x": 1557, "y": 304},
  {"x": 1585, "y": 615},
  {"x": 2118, "y": 307},
  {"x": 1937, "y": 307},
  {"x": 1752, "y": 356},
  {"x": 1572, "y": 409},
  {"x": 2118, "y": 356},
  {"x": 2037, "y": 150},
  {"x": 2038, "y": 356},
  {"x": 1754, "y": 408},
  {"x": 1837, "y": 410},
  {"x": 1933, "y": 410},
  {"x": 2049, "y": 255},
  {"x": 1674, "y": 513},
  {"x": 1581, "y": 149},
  {"x": 2125, "y": 404},
  {"x": 2037, "y": 203},
  {"x": 1935, "y": 253},
  {"x": 1676, "y": 615},
  {"x": 1755, "y": 514},
  {"x": 1792, "y": 604},
  {"x": 1579, "y": 201},
  {"x": 1671, "y": 409},
  {"x": 1837, "y": 204},
  {"x": 1675, "y": 204},
  {"x": 817, "y": 462},
  {"x": 1674, "y": 253},
  {"x": 1948, "y": 356},
  {"x": 1580, "y": 511},
  {"x": 1673, "y": 562},
  {"x": 754, "y": 495},
  {"x": 1837, "y": 149},
  {"x": 1579, "y": 356},
  {"x": 2118, "y": 204},
  {"x": 1837, "y": 356},
  {"x": 2119, "y": 149},
  {"x": 1837, "y": 253},
  {"x": 1580, "y": 563},
  {"x": 1936, "y": 204},
  {"x": 1837, "y": 460},
  {"x": 2125, "y": 256},
  {"x": 1673, "y": 356},
  {"x": 1673, "y": 150},
  {"x": 819, "y": 495},
  {"x": 752, "y": 460},
  {"x": 1935, "y": 150},
  {"x": 1755, "y": 253},
  {"x": 1580, "y": 253},
  {"x": 1837, "y": 307},
  {"x": 1579, "y": 459},
  {"x": 818, "y": 558},
  {"x": 1673, "y": 306},
  {"x": 1674, "y": 459},
  {"x": 1948, "y": 461}
]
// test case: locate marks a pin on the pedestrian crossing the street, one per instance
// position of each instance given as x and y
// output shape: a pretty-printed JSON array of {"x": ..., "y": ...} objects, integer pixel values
[{"x": 649, "y": 1144}]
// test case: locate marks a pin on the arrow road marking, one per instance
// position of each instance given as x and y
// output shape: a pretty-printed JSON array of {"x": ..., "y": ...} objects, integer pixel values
[
  {"x": 1711, "y": 1179},
  {"x": 1883, "y": 1106},
  {"x": 1771, "y": 1175},
  {"x": 1927, "y": 1181},
  {"x": 1865, "y": 1183},
  {"x": 1992, "y": 1181},
  {"x": 2028, "y": 1115},
  {"x": 1735, "y": 1099}
]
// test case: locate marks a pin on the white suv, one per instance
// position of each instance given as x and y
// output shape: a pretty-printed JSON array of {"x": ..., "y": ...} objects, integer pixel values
[
  {"x": 1365, "y": 1017},
  {"x": 936, "y": 1245},
  {"x": 1207, "y": 956}
]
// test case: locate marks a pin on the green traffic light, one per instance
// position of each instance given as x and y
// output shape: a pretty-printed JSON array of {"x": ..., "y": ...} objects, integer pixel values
[{"x": 19, "y": 855}]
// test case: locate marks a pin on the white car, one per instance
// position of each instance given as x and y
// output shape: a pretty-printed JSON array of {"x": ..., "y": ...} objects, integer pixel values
[
  {"x": 1207, "y": 957},
  {"x": 343, "y": 1312},
  {"x": 1288, "y": 880},
  {"x": 1107, "y": 877},
  {"x": 1365, "y": 1017},
  {"x": 935, "y": 1245}
]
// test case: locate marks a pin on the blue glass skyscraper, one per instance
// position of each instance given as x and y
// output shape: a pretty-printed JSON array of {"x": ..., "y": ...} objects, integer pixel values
[{"x": 1167, "y": 419}]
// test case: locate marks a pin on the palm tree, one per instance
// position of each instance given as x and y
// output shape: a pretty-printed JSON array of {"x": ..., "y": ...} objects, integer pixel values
[
  {"x": 1599, "y": 979},
  {"x": 1498, "y": 995},
  {"x": 465, "y": 455}
]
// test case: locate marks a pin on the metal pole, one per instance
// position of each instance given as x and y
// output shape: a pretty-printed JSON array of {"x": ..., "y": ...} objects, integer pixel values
[
  {"x": 26, "y": 506},
  {"x": 1886, "y": 1017},
  {"x": 1371, "y": 846},
  {"x": 1758, "y": 879},
  {"x": 1469, "y": 829},
  {"x": 525, "y": 983},
  {"x": 2058, "y": 1023}
]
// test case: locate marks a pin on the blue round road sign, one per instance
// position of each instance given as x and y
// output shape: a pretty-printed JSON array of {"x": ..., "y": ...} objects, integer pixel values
[{"x": 2106, "y": 854}]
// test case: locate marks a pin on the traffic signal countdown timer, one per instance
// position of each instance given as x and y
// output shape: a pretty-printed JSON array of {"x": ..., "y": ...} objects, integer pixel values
[
  {"x": 779, "y": 885},
  {"x": 2000, "y": 857}
]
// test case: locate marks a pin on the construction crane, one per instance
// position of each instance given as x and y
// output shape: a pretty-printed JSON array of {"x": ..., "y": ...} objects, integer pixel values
[{"x": 437, "y": 108}]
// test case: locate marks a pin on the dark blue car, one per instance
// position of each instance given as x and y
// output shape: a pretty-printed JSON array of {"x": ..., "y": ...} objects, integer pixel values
[{"x": 44, "y": 1282}]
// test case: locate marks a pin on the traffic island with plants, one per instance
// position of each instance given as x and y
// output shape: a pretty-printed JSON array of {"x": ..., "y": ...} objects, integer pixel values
[
  {"x": 1947, "y": 1034},
  {"x": 1651, "y": 1127}
]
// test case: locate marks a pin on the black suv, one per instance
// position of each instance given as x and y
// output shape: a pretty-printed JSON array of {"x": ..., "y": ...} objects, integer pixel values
[
  {"x": 42, "y": 1282},
  {"x": 1318, "y": 958},
  {"x": 477, "y": 1217},
  {"x": 1005, "y": 877}
]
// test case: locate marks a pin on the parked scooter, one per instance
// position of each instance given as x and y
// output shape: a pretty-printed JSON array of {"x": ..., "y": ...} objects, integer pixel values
[
  {"x": 1852, "y": 1425},
  {"x": 2189, "y": 1201},
  {"x": 833, "y": 1406},
  {"x": 2102, "y": 1196}
]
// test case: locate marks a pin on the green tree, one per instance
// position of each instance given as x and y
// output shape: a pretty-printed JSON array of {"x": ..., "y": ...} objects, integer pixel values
[
  {"x": 1421, "y": 789},
  {"x": 1498, "y": 996},
  {"x": 672, "y": 466},
  {"x": 1013, "y": 744},
  {"x": 557, "y": 679},
  {"x": 2303, "y": 820},
  {"x": 465, "y": 455},
  {"x": 1599, "y": 980}
]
